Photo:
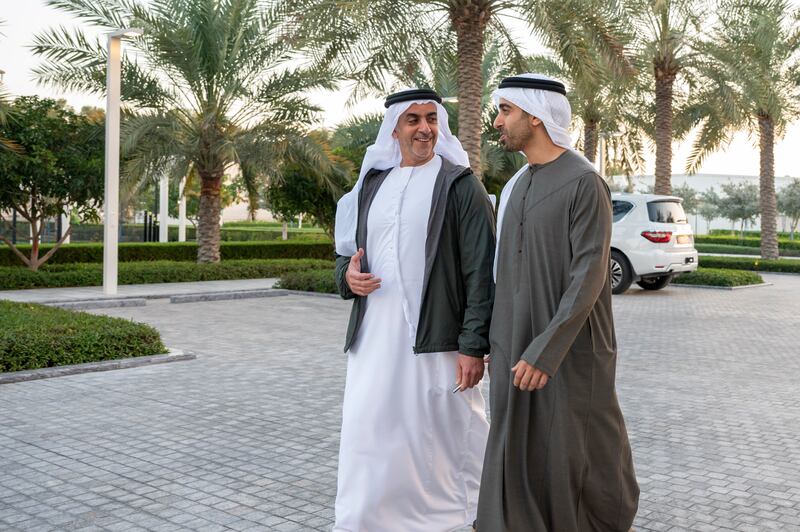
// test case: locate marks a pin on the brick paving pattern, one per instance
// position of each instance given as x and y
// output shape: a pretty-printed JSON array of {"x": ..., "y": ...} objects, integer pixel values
[{"x": 245, "y": 437}]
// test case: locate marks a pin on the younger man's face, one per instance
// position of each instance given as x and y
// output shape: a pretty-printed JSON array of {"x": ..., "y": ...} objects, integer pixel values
[
  {"x": 417, "y": 131},
  {"x": 515, "y": 126}
]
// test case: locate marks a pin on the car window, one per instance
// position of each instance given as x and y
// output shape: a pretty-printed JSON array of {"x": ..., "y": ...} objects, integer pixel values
[
  {"x": 621, "y": 208},
  {"x": 667, "y": 212}
]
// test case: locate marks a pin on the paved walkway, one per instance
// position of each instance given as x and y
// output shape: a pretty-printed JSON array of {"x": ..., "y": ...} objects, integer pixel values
[
  {"x": 150, "y": 291},
  {"x": 246, "y": 436}
]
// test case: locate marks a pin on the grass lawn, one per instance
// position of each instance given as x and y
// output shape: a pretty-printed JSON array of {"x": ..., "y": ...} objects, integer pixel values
[{"x": 36, "y": 336}]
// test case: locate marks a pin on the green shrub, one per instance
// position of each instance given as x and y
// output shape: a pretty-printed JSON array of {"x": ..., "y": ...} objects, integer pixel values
[
  {"x": 310, "y": 281},
  {"x": 718, "y": 277},
  {"x": 178, "y": 251},
  {"x": 35, "y": 336},
  {"x": 749, "y": 241},
  {"x": 83, "y": 274},
  {"x": 740, "y": 250},
  {"x": 751, "y": 264},
  {"x": 757, "y": 234},
  {"x": 236, "y": 234}
]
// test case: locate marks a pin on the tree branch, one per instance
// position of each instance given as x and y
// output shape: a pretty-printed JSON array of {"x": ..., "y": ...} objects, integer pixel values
[
  {"x": 55, "y": 247},
  {"x": 16, "y": 251}
]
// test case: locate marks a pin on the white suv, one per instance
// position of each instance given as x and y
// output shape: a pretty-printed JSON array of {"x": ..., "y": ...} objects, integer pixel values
[{"x": 651, "y": 241}]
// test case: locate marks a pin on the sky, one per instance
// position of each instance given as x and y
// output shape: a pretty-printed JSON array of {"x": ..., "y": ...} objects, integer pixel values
[{"x": 24, "y": 19}]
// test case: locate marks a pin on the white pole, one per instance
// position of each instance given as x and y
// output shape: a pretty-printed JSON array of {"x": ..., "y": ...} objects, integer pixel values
[
  {"x": 300, "y": 221},
  {"x": 111, "y": 203},
  {"x": 602, "y": 156},
  {"x": 163, "y": 209},
  {"x": 65, "y": 225},
  {"x": 182, "y": 212}
]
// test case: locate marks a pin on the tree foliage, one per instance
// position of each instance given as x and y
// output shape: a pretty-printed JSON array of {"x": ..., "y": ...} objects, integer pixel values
[
  {"x": 61, "y": 166},
  {"x": 789, "y": 204},
  {"x": 739, "y": 204},
  {"x": 208, "y": 85}
]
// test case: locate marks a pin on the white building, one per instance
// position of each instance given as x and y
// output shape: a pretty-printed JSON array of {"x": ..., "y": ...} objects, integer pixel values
[{"x": 701, "y": 183}]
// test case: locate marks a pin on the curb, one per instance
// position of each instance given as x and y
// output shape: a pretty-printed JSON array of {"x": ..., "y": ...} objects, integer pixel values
[
  {"x": 223, "y": 296},
  {"x": 173, "y": 355},
  {"x": 760, "y": 285},
  {"x": 311, "y": 294},
  {"x": 100, "y": 303}
]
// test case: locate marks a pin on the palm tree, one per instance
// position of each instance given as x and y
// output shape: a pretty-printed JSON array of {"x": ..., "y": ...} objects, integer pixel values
[
  {"x": 752, "y": 82},
  {"x": 440, "y": 72},
  {"x": 5, "y": 106},
  {"x": 375, "y": 38},
  {"x": 598, "y": 93},
  {"x": 213, "y": 84},
  {"x": 666, "y": 32}
]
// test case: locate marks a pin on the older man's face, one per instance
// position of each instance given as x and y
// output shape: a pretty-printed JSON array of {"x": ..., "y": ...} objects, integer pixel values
[
  {"x": 417, "y": 131},
  {"x": 515, "y": 126}
]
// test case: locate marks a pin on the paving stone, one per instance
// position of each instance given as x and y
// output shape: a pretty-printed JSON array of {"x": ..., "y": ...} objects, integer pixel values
[{"x": 245, "y": 437}]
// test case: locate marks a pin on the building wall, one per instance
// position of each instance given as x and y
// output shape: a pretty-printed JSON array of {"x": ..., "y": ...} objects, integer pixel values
[{"x": 701, "y": 183}]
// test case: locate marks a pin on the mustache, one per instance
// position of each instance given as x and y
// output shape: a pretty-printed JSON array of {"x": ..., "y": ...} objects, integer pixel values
[{"x": 423, "y": 136}]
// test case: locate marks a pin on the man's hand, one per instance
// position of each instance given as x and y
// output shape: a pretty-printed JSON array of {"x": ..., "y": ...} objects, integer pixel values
[
  {"x": 469, "y": 371},
  {"x": 361, "y": 284},
  {"x": 528, "y": 378}
]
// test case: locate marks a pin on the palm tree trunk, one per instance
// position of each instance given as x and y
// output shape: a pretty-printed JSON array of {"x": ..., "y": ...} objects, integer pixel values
[
  {"x": 469, "y": 20},
  {"x": 590, "y": 139},
  {"x": 208, "y": 217},
  {"x": 769, "y": 210},
  {"x": 664, "y": 82}
]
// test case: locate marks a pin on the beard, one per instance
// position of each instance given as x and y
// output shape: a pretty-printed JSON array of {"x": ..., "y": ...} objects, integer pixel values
[{"x": 514, "y": 142}]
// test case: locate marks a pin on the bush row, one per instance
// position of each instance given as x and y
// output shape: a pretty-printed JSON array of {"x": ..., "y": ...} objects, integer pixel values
[
  {"x": 63, "y": 275},
  {"x": 35, "y": 336},
  {"x": 749, "y": 241},
  {"x": 751, "y": 264},
  {"x": 757, "y": 234},
  {"x": 177, "y": 251},
  {"x": 718, "y": 277},
  {"x": 310, "y": 281},
  {"x": 235, "y": 232},
  {"x": 740, "y": 250}
]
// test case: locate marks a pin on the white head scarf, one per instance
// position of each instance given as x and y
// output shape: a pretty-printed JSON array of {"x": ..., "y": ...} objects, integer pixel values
[
  {"x": 385, "y": 154},
  {"x": 553, "y": 109}
]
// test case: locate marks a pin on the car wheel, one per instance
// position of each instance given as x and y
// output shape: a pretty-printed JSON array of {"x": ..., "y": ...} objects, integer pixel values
[
  {"x": 655, "y": 283},
  {"x": 620, "y": 272}
]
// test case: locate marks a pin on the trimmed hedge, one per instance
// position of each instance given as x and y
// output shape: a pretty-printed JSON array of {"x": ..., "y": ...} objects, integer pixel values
[
  {"x": 718, "y": 277},
  {"x": 757, "y": 234},
  {"x": 134, "y": 233},
  {"x": 749, "y": 241},
  {"x": 750, "y": 264},
  {"x": 62, "y": 275},
  {"x": 177, "y": 251},
  {"x": 35, "y": 336},
  {"x": 310, "y": 281},
  {"x": 241, "y": 234},
  {"x": 740, "y": 250}
]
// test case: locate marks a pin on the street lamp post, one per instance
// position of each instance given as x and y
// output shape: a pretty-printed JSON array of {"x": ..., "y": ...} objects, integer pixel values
[
  {"x": 182, "y": 211},
  {"x": 111, "y": 200},
  {"x": 163, "y": 208}
]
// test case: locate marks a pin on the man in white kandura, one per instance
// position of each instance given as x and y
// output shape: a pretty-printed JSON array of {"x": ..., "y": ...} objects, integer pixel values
[{"x": 415, "y": 244}]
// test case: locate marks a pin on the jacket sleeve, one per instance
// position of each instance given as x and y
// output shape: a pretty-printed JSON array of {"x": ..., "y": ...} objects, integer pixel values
[
  {"x": 476, "y": 240},
  {"x": 342, "y": 263},
  {"x": 590, "y": 240}
]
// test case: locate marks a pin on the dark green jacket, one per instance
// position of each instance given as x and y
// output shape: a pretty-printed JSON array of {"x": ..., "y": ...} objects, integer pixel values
[{"x": 458, "y": 287}]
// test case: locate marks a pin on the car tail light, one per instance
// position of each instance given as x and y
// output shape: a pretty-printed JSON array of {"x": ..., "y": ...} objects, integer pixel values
[{"x": 658, "y": 237}]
